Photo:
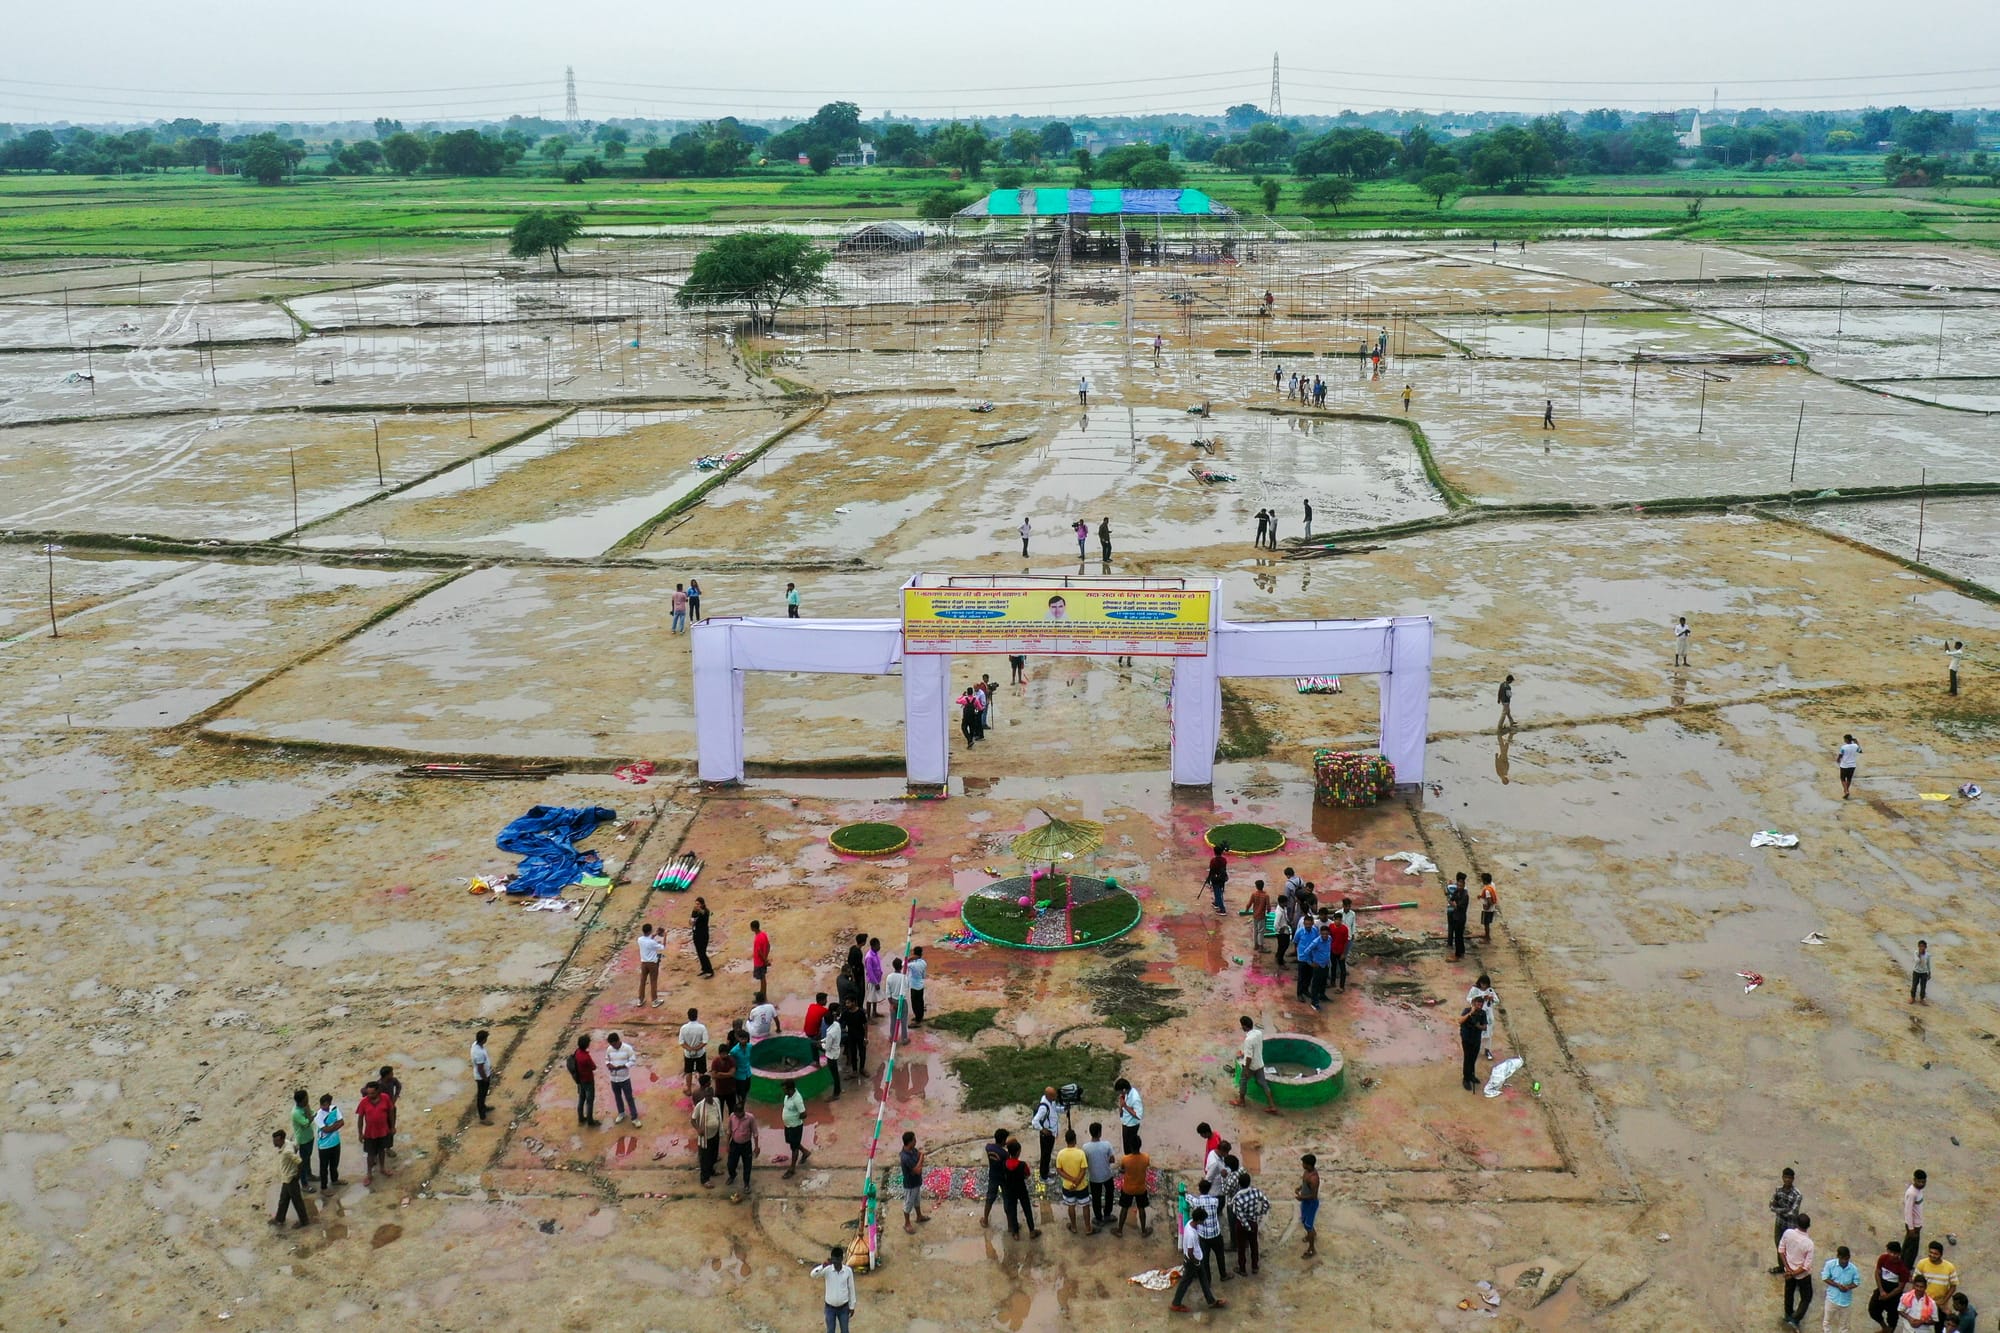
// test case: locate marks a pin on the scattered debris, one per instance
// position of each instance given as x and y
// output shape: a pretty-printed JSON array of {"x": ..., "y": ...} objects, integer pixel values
[
  {"x": 1814, "y": 938},
  {"x": 1156, "y": 1279},
  {"x": 1772, "y": 838},
  {"x": 1417, "y": 863},
  {"x": 1751, "y": 981},
  {"x": 1503, "y": 1071}
]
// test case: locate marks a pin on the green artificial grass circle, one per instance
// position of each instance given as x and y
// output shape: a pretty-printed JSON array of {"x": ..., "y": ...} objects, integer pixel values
[
  {"x": 1245, "y": 839},
  {"x": 869, "y": 839},
  {"x": 1102, "y": 912}
]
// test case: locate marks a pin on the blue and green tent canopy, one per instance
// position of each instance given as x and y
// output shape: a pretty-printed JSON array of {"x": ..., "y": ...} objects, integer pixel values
[{"x": 1067, "y": 203}]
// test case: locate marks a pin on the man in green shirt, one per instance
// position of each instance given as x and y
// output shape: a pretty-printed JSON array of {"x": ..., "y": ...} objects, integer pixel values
[
  {"x": 793, "y": 1112},
  {"x": 302, "y": 1138}
]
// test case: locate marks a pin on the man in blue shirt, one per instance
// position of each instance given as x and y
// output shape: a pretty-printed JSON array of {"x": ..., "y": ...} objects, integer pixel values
[
  {"x": 1318, "y": 954},
  {"x": 1841, "y": 1278},
  {"x": 1303, "y": 944}
]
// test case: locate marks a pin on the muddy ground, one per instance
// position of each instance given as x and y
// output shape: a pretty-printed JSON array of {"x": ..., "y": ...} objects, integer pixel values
[{"x": 221, "y": 888}]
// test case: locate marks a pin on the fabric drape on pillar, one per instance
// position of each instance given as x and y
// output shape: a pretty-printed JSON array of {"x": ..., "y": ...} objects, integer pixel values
[
  {"x": 726, "y": 647},
  {"x": 927, "y": 714},
  {"x": 1398, "y": 648}
]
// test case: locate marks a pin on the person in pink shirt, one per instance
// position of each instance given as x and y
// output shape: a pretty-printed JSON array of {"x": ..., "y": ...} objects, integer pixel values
[
  {"x": 1795, "y": 1253},
  {"x": 375, "y": 1111},
  {"x": 680, "y": 609}
]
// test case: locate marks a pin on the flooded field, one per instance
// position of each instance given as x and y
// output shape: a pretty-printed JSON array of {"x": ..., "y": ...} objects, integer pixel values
[{"x": 223, "y": 885}]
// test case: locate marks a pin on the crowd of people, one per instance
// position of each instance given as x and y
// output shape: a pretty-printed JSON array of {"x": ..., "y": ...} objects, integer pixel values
[
  {"x": 1912, "y": 1287},
  {"x": 308, "y": 1158}
]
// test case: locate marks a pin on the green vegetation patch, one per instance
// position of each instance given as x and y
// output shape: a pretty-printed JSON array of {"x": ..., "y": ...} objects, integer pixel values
[
  {"x": 1245, "y": 839},
  {"x": 964, "y": 1022},
  {"x": 869, "y": 839},
  {"x": 1016, "y": 1075},
  {"x": 1125, "y": 1000}
]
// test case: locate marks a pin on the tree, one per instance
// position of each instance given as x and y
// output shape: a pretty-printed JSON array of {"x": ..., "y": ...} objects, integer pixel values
[
  {"x": 1242, "y": 116},
  {"x": 1417, "y": 146},
  {"x": 1921, "y": 131},
  {"x": 384, "y": 127},
  {"x": 962, "y": 146},
  {"x": 1328, "y": 192},
  {"x": 1270, "y": 189},
  {"x": 1362, "y": 154},
  {"x": 1157, "y": 174},
  {"x": 940, "y": 204},
  {"x": 467, "y": 153},
  {"x": 901, "y": 145},
  {"x": 1057, "y": 139},
  {"x": 760, "y": 269},
  {"x": 1602, "y": 120},
  {"x": 1439, "y": 184},
  {"x": 1023, "y": 146},
  {"x": 264, "y": 163},
  {"x": 405, "y": 153},
  {"x": 1122, "y": 164},
  {"x": 543, "y": 231},
  {"x": 820, "y": 158},
  {"x": 614, "y": 148},
  {"x": 1086, "y": 167},
  {"x": 554, "y": 147}
]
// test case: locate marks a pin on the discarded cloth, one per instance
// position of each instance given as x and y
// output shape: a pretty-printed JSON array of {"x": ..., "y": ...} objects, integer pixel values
[
  {"x": 1503, "y": 1071},
  {"x": 1156, "y": 1279},
  {"x": 1416, "y": 862},
  {"x": 1751, "y": 981},
  {"x": 1934, "y": 796},
  {"x": 545, "y": 839},
  {"x": 1814, "y": 938},
  {"x": 1969, "y": 790},
  {"x": 1769, "y": 838}
]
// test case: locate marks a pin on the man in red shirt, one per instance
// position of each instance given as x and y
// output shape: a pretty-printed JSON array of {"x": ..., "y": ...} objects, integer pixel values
[
  {"x": 375, "y": 1111},
  {"x": 1891, "y": 1276},
  {"x": 816, "y": 1016},
  {"x": 1218, "y": 875},
  {"x": 1337, "y": 938},
  {"x": 583, "y": 1068},
  {"x": 760, "y": 955}
]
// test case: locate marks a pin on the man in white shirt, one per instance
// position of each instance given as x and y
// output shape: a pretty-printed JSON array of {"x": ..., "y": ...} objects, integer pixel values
[
  {"x": 918, "y": 972},
  {"x": 1847, "y": 758},
  {"x": 839, "y": 1290},
  {"x": 1194, "y": 1264},
  {"x": 763, "y": 1020},
  {"x": 896, "y": 991},
  {"x": 650, "y": 949},
  {"x": 1131, "y": 1113},
  {"x": 1044, "y": 1120},
  {"x": 694, "y": 1049},
  {"x": 829, "y": 1046},
  {"x": 482, "y": 1074},
  {"x": 1681, "y": 636},
  {"x": 1252, "y": 1069},
  {"x": 1026, "y": 532},
  {"x": 1954, "y": 656},
  {"x": 618, "y": 1060}
]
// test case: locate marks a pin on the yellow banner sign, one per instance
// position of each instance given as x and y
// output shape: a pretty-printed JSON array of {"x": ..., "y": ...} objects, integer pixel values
[{"x": 1126, "y": 622}]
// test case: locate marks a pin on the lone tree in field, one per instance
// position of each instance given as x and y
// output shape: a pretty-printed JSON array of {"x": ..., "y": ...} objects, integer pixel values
[
  {"x": 1439, "y": 184},
  {"x": 760, "y": 269},
  {"x": 540, "y": 231},
  {"x": 1327, "y": 192}
]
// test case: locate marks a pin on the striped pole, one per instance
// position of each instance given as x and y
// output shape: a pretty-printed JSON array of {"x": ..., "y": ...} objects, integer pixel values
[{"x": 871, "y": 1211}]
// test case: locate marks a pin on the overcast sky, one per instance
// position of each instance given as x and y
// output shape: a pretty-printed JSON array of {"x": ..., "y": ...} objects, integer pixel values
[{"x": 450, "y": 59}]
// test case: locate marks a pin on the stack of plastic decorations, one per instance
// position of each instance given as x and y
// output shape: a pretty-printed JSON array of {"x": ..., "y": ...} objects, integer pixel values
[
  {"x": 960, "y": 939},
  {"x": 1319, "y": 684},
  {"x": 1351, "y": 778}
]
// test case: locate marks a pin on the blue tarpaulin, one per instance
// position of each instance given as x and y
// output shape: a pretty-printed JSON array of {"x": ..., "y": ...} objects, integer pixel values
[{"x": 545, "y": 839}]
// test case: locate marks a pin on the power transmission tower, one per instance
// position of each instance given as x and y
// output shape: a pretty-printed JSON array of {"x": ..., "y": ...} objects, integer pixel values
[
  {"x": 569, "y": 98},
  {"x": 1277, "y": 107}
]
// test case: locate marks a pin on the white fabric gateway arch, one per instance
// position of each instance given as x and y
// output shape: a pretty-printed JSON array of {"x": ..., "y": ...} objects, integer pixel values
[{"x": 1398, "y": 649}]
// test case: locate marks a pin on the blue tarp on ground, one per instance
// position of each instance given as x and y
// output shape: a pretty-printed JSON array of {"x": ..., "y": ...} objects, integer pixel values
[{"x": 545, "y": 839}]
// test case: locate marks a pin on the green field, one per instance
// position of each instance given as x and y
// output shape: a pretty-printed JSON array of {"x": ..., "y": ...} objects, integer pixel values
[{"x": 184, "y": 215}]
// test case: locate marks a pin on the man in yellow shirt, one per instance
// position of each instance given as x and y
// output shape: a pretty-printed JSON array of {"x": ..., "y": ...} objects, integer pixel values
[
  {"x": 1938, "y": 1274},
  {"x": 1073, "y": 1171}
]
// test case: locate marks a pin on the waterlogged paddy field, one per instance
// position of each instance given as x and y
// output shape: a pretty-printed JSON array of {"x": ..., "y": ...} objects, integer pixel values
[{"x": 303, "y": 917}]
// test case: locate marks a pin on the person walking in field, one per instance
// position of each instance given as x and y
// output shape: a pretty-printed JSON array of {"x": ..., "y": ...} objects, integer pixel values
[
  {"x": 698, "y": 929},
  {"x": 1549, "y": 415},
  {"x": 650, "y": 949},
  {"x": 1253, "y": 1071},
  {"x": 1681, "y": 636},
  {"x": 1259, "y": 908},
  {"x": 1406, "y": 400},
  {"x": 1471, "y": 1032},
  {"x": 1308, "y": 1196},
  {"x": 680, "y": 609},
  {"x": 694, "y": 600},
  {"x": 619, "y": 1057},
  {"x": 290, "y": 1196},
  {"x": 1103, "y": 539},
  {"x": 1507, "y": 701},
  {"x": 1920, "y": 974},
  {"x": 791, "y": 601},
  {"x": 1954, "y": 656},
  {"x": 911, "y": 1162},
  {"x": 1083, "y": 390},
  {"x": 1847, "y": 758},
  {"x": 1026, "y": 530},
  {"x": 1081, "y": 531},
  {"x": 1309, "y": 520}
]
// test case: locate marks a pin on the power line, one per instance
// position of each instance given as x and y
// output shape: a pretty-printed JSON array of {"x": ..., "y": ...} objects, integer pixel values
[{"x": 1646, "y": 83}]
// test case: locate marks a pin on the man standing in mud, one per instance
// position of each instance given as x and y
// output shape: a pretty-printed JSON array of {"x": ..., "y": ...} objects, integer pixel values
[
  {"x": 1785, "y": 1204},
  {"x": 1104, "y": 537},
  {"x": 1457, "y": 906},
  {"x": 1507, "y": 701},
  {"x": 1026, "y": 531},
  {"x": 1681, "y": 636}
]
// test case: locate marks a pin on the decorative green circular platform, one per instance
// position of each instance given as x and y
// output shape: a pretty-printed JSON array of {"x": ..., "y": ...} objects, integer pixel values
[
  {"x": 1305, "y": 1071},
  {"x": 1246, "y": 839},
  {"x": 789, "y": 1055},
  {"x": 1101, "y": 911},
  {"x": 869, "y": 839}
]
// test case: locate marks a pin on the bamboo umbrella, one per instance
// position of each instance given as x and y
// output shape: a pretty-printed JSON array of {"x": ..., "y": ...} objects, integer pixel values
[{"x": 1060, "y": 840}]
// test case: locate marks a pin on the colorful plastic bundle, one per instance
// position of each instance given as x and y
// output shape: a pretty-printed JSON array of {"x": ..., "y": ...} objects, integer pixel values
[
  {"x": 1319, "y": 684},
  {"x": 1351, "y": 778}
]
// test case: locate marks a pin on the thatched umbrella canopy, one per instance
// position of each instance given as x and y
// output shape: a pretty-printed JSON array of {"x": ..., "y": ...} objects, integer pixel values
[{"x": 1059, "y": 840}]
